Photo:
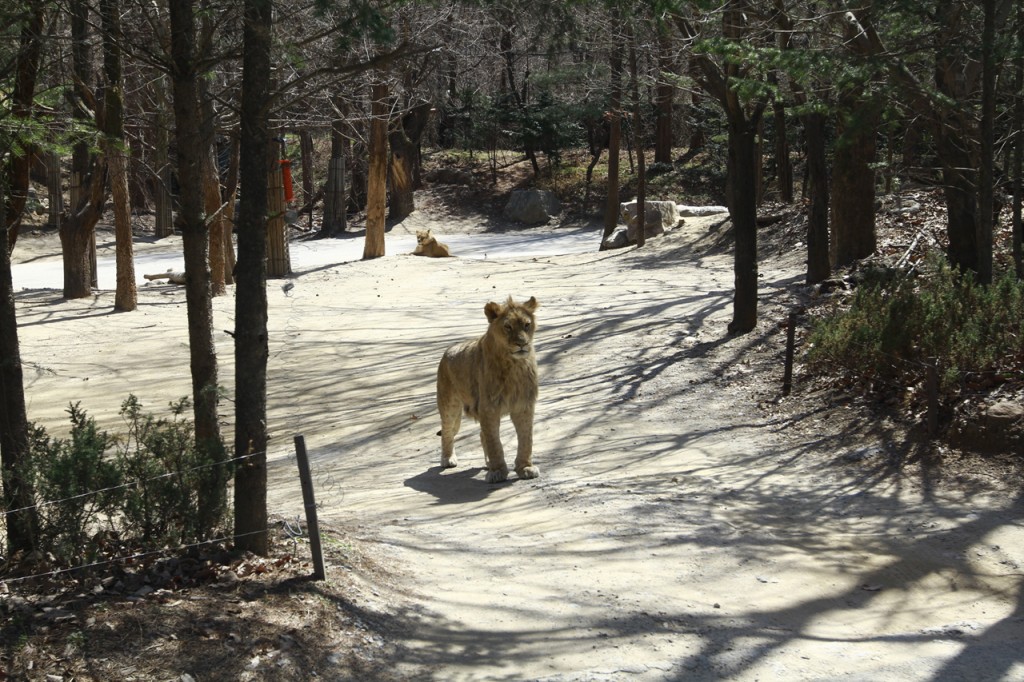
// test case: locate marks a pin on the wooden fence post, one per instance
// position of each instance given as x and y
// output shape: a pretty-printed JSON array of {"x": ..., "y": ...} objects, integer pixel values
[
  {"x": 787, "y": 373},
  {"x": 309, "y": 502},
  {"x": 932, "y": 391}
]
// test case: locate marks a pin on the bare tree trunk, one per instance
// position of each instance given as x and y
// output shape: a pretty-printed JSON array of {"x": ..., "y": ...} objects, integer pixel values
[
  {"x": 985, "y": 179},
  {"x": 196, "y": 245},
  {"x": 641, "y": 179},
  {"x": 664, "y": 94},
  {"x": 78, "y": 233},
  {"x": 88, "y": 173},
  {"x": 54, "y": 190},
  {"x": 230, "y": 194},
  {"x": 376, "y": 189},
  {"x": 212, "y": 198},
  {"x": 404, "y": 142},
  {"x": 853, "y": 183},
  {"x": 26, "y": 73},
  {"x": 818, "y": 261},
  {"x": 783, "y": 164},
  {"x": 308, "y": 181},
  {"x": 163, "y": 201},
  {"x": 216, "y": 223},
  {"x": 742, "y": 193},
  {"x": 126, "y": 295},
  {"x": 251, "y": 344},
  {"x": 611, "y": 212},
  {"x": 335, "y": 194},
  {"x": 22, "y": 522},
  {"x": 1018, "y": 150}
]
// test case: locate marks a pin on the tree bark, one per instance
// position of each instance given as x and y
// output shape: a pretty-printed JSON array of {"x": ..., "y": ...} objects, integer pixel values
[
  {"x": 985, "y": 179},
  {"x": 212, "y": 198},
  {"x": 126, "y": 294},
  {"x": 664, "y": 94},
  {"x": 308, "y": 172},
  {"x": 853, "y": 182},
  {"x": 163, "y": 202},
  {"x": 404, "y": 142},
  {"x": 1018, "y": 151},
  {"x": 195, "y": 243},
  {"x": 611, "y": 211},
  {"x": 251, "y": 343},
  {"x": 783, "y": 164},
  {"x": 742, "y": 199},
  {"x": 18, "y": 497},
  {"x": 376, "y": 190},
  {"x": 78, "y": 233},
  {"x": 818, "y": 261},
  {"x": 26, "y": 72},
  {"x": 88, "y": 171},
  {"x": 641, "y": 168},
  {"x": 335, "y": 194},
  {"x": 230, "y": 197}
]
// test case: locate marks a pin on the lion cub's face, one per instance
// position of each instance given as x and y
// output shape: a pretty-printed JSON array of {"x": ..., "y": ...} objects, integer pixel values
[{"x": 512, "y": 325}]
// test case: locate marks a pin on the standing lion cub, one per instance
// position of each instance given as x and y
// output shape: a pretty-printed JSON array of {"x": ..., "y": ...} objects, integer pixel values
[{"x": 488, "y": 378}]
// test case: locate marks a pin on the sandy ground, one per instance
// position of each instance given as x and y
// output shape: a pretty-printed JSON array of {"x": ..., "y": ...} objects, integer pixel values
[{"x": 679, "y": 530}]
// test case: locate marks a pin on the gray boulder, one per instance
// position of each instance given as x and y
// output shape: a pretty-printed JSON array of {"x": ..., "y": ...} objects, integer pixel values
[
  {"x": 617, "y": 239},
  {"x": 658, "y": 217},
  {"x": 532, "y": 206}
]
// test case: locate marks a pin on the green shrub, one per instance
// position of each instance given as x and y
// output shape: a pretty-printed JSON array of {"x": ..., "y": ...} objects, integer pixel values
[
  {"x": 151, "y": 488},
  {"x": 78, "y": 487},
  {"x": 895, "y": 325},
  {"x": 172, "y": 499}
]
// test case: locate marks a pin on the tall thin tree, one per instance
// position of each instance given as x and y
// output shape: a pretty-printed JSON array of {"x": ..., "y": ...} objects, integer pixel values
[
  {"x": 114, "y": 147},
  {"x": 251, "y": 343},
  {"x": 185, "y": 73}
]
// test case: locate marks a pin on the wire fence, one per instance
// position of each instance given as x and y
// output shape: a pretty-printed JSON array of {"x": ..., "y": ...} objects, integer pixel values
[{"x": 291, "y": 530}]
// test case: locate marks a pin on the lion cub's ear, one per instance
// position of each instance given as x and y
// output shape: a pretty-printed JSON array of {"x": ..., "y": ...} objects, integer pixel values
[
  {"x": 532, "y": 304},
  {"x": 493, "y": 311}
]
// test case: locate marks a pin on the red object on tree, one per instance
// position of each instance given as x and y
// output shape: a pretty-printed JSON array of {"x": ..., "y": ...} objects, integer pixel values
[{"x": 286, "y": 176}]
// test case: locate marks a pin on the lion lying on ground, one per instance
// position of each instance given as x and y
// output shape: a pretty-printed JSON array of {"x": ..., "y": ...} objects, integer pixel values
[
  {"x": 171, "y": 276},
  {"x": 427, "y": 245},
  {"x": 488, "y": 378}
]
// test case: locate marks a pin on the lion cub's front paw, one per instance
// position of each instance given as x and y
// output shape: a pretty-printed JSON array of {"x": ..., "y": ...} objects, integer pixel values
[
  {"x": 528, "y": 472},
  {"x": 497, "y": 475},
  {"x": 449, "y": 462}
]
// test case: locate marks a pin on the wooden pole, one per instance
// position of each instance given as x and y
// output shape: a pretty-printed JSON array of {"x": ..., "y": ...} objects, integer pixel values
[
  {"x": 932, "y": 392},
  {"x": 787, "y": 374},
  {"x": 308, "y": 501}
]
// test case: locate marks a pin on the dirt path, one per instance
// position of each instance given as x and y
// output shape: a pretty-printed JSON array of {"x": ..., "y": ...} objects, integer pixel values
[{"x": 678, "y": 531}]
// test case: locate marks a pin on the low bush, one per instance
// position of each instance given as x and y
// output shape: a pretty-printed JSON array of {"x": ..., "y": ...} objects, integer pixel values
[
  {"x": 897, "y": 324},
  {"x": 150, "y": 488}
]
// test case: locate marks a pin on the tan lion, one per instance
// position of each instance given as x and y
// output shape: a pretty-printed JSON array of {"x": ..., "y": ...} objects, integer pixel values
[
  {"x": 427, "y": 245},
  {"x": 488, "y": 378}
]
